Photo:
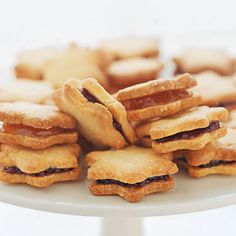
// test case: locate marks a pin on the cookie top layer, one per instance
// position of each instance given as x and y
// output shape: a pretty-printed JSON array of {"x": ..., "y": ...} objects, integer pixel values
[
  {"x": 231, "y": 123},
  {"x": 184, "y": 81},
  {"x": 25, "y": 90},
  {"x": 130, "y": 165},
  {"x": 189, "y": 120},
  {"x": 196, "y": 60},
  {"x": 130, "y": 47},
  {"x": 97, "y": 114},
  {"x": 224, "y": 88},
  {"x": 35, "y": 115},
  {"x": 222, "y": 149},
  {"x": 34, "y": 161}
]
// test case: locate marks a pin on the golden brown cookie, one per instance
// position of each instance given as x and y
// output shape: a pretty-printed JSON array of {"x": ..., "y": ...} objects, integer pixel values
[
  {"x": 35, "y": 126},
  {"x": 75, "y": 62},
  {"x": 196, "y": 60},
  {"x": 158, "y": 98},
  {"x": 130, "y": 46},
  {"x": 39, "y": 168},
  {"x": 25, "y": 90},
  {"x": 131, "y": 173},
  {"x": 30, "y": 64},
  {"x": 216, "y": 90},
  {"x": 218, "y": 157},
  {"x": 192, "y": 129},
  {"x": 101, "y": 119},
  {"x": 132, "y": 71}
]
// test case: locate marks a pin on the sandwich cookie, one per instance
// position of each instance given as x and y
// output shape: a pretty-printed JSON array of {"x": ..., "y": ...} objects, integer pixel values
[
  {"x": 39, "y": 168},
  {"x": 131, "y": 173},
  {"x": 218, "y": 157},
  {"x": 35, "y": 126},
  {"x": 191, "y": 130},
  {"x": 159, "y": 98},
  {"x": 102, "y": 120}
]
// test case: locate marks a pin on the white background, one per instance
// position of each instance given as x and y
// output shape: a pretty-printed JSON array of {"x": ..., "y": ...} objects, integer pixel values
[{"x": 29, "y": 24}]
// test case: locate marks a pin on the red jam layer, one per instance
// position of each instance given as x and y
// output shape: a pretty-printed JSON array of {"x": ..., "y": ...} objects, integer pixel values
[{"x": 161, "y": 98}]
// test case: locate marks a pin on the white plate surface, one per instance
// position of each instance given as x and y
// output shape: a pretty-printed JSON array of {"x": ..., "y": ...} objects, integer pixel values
[{"x": 188, "y": 195}]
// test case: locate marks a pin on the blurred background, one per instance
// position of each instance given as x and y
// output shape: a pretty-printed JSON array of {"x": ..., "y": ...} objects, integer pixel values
[{"x": 29, "y": 24}]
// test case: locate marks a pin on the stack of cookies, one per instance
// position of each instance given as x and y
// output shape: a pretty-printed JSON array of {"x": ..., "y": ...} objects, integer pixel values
[{"x": 38, "y": 145}]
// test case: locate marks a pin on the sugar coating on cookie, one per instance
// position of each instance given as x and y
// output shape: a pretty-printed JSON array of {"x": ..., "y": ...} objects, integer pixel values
[
  {"x": 132, "y": 172},
  {"x": 196, "y": 60},
  {"x": 39, "y": 168},
  {"x": 101, "y": 119},
  {"x": 223, "y": 92},
  {"x": 159, "y": 98},
  {"x": 132, "y": 71},
  {"x": 25, "y": 90},
  {"x": 192, "y": 129},
  {"x": 130, "y": 46}
]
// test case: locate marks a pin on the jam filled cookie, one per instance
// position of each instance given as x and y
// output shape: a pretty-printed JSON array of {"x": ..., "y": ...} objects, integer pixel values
[
  {"x": 132, "y": 71},
  {"x": 130, "y": 47},
  {"x": 217, "y": 157},
  {"x": 231, "y": 122},
  {"x": 131, "y": 173},
  {"x": 25, "y": 90},
  {"x": 223, "y": 92},
  {"x": 196, "y": 60},
  {"x": 35, "y": 126},
  {"x": 191, "y": 130},
  {"x": 39, "y": 168},
  {"x": 101, "y": 119},
  {"x": 159, "y": 98},
  {"x": 31, "y": 64}
]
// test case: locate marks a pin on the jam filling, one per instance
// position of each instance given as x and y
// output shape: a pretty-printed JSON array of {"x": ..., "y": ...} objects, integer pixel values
[
  {"x": 214, "y": 125},
  {"x": 93, "y": 99},
  {"x": 18, "y": 129},
  {"x": 161, "y": 98},
  {"x": 139, "y": 184},
  {"x": 49, "y": 171},
  {"x": 226, "y": 104},
  {"x": 212, "y": 163}
]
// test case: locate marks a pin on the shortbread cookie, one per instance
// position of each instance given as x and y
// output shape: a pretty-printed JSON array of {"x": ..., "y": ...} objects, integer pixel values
[
  {"x": 30, "y": 64},
  {"x": 217, "y": 157},
  {"x": 231, "y": 122},
  {"x": 35, "y": 126},
  {"x": 101, "y": 119},
  {"x": 158, "y": 98},
  {"x": 132, "y": 71},
  {"x": 216, "y": 90},
  {"x": 76, "y": 62},
  {"x": 39, "y": 168},
  {"x": 191, "y": 130},
  {"x": 25, "y": 90},
  {"x": 130, "y": 47},
  {"x": 131, "y": 173},
  {"x": 196, "y": 60}
]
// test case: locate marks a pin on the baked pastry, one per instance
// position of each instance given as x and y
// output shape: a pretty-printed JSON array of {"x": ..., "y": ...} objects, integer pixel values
[
  {"x": 132, "y": 71},
  {"x": 130, "y": 46},
  {"x": 158, "y": 98},
  {"x": 223, "y": 92},
  {"x": 30, "y": 64},
  {"x": 101, "y": 119},
  {"x": 131, "y": 173},
  {"x": 25, "y": 90},
  {"x": 75, "y": 62},
  {"x": 218, "y": 157},
  {"x": 191, "y": 130},
  {"x": 196, "y": 60},
  {"x": 35, "y": 126},
  {"x": 39, "y": 168},
  {"x": 231, "y": 122}
]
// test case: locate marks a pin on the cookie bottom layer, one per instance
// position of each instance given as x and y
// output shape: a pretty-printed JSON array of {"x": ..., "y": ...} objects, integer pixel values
[
  {"x": 195, "y": 143},
  {"x": 39, "y": 182},
  {"x": 131, "y": 194},
  {"x": 225, "y": 169}
]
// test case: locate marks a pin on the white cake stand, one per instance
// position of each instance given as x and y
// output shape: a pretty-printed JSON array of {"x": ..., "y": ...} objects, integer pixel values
[{"x": 188, "y": 195}]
